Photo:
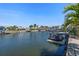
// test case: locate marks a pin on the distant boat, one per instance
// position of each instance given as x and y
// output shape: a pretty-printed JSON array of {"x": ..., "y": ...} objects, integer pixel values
[
  {"x": 60, "y": 38},
  {"x": 28, "y": 30}
]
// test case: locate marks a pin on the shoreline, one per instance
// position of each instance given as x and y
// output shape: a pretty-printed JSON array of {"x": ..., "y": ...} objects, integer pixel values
[
  {"x": 11, "y": 32},
  {"x": 17, "y": 31}
]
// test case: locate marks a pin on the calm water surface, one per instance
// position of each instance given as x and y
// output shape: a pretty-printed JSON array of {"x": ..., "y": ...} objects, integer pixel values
[{"x": 28, "y": 44}]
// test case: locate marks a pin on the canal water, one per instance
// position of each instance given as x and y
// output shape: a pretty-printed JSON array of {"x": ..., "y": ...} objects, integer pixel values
[{"x": 28, "y": 44}]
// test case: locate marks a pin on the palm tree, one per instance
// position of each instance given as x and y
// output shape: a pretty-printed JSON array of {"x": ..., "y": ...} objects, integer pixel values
[
  {"x": 34, "y": 26},
  {"x": 30, "y": 27},
  {"x": 72, "y": 15}
]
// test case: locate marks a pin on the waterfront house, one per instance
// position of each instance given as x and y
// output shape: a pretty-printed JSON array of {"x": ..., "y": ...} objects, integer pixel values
[
  {"x": 33, "y": 27},
  {"x": 55, "y": 28},
  {"x": 2, "y": 29}
]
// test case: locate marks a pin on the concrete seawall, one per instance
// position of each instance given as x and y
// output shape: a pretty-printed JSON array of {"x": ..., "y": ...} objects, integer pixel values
[{"x": 73, "y": 47}]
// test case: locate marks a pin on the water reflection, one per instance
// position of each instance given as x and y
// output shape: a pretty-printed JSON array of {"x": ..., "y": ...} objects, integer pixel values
[
  {"x": 49, "y": 52},
  {"x": 28, "y": 44}
]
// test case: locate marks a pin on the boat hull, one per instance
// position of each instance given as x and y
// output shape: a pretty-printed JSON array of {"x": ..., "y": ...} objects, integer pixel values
[{"x": 57, "y": 42}]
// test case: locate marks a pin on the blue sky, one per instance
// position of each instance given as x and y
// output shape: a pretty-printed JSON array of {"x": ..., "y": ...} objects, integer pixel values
[{"x": 30, "y": 13}]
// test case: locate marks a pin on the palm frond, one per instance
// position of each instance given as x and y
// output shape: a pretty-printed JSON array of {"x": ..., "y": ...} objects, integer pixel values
[{"x": 69, "y": 8}]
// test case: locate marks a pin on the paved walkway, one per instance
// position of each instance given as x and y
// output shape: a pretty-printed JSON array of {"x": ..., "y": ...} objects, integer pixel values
[
  {"x": 73, "y": 40},
  {"x": 73, "y": 47}
]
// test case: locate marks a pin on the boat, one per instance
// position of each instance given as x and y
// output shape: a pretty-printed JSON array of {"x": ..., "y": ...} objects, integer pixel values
[
  {"x": 60, "y": 38},
  {"x": 56, "y": 42},
  {"x": 28, "y": 31}
]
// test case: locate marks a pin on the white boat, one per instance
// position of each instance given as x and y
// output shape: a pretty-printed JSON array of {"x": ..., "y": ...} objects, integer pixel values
[
  {"x": 57, "y": 42},
  {"x": 61, "y": 40}
]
